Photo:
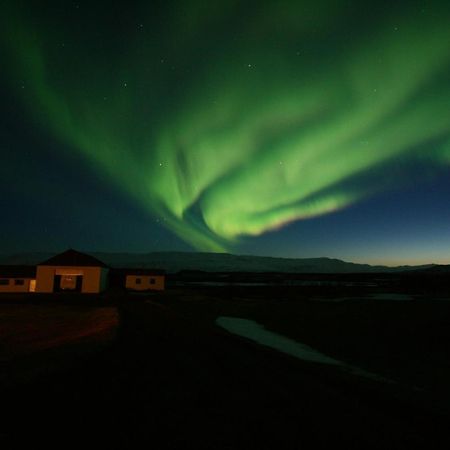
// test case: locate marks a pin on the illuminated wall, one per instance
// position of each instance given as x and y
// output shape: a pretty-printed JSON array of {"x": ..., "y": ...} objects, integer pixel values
[
  {"x": 145, "y": 282},
  {"x": 17, "y": 284},
  {"x": 94, "y": 278}
]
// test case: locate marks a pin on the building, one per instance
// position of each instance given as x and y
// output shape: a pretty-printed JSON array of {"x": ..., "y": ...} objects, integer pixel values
[
  {"x": 72, "y": 271},
  {"x": 144, "y": 279},
  {"x": 17, "y": 278}
]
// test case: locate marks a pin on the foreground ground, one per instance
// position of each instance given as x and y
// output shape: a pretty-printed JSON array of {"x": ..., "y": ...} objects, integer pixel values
[
  {"x": 172, "y": 379},
  {"x": 39, "y": 338}
]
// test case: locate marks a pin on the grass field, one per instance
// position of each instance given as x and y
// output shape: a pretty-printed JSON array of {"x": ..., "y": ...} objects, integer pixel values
[
  {"x": 407, "y": 341},
  {"x": 172, "y": 379}
]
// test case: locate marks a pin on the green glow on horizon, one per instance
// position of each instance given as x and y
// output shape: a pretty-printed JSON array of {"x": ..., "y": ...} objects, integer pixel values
[{"x": 284, "y": 118}]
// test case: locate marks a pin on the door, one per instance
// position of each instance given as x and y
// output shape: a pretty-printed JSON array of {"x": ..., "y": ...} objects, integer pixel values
[{"x": 68, "y": 283}]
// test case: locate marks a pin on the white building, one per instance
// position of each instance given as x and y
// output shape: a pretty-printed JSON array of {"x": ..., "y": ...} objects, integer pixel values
[
  {"x": 72, "y": 271},
  {"x": 17, "y": 278}
]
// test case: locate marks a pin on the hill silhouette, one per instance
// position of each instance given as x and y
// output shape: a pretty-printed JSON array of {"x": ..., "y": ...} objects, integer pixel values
[{"x": 222, "y": 262}]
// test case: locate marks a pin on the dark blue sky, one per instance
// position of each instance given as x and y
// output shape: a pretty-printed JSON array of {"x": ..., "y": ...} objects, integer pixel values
[{"x": 57, "y": 194}]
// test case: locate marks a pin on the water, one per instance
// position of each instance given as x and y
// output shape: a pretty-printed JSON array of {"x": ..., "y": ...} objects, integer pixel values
[{"x": 255, "y": 332}]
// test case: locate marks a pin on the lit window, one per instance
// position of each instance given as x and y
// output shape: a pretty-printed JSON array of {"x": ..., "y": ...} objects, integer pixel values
[
  {"x": 138, "y": 281},
  {"x": 19, "y": 282},
  {"x": 4, "y": 282}
]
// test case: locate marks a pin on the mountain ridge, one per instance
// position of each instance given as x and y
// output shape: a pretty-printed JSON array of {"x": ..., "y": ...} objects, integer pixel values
[{"x": 221, "y": 262}]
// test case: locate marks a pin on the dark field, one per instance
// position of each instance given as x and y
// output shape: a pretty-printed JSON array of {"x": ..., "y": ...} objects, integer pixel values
[
  {"x": 35, "y": 339},
  {"x": 172, "y": 379},
  {"x": 403, "y": 337}
]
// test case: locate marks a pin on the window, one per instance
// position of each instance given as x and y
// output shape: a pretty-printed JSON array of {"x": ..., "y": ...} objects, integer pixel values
[
  {"x": 19, "y": 282},
  {"x": 138, "y": 281},
  {"x": 152, "y": 281},
  {"x": 4, "y": 282}
]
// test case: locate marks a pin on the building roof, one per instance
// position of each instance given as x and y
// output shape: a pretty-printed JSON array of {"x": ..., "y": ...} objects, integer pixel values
[
  {"x": 17, "y": 271},
  {"x": 73, "y": 258}
]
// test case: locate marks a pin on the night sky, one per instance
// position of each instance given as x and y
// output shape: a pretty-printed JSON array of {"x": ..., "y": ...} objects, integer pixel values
[{"x": 282, "y": 128}]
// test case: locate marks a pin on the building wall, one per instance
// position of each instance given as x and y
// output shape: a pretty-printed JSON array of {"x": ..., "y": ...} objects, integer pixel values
[
  {"x": 131, "y": 282},
  {"x": 94, "y": 278},
  {"x": 13, "y": 287},
  {"x": 44, "y": 278}
]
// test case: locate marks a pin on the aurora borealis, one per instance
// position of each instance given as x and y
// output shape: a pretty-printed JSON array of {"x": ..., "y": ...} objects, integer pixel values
[{"x": 227, "y": 120}]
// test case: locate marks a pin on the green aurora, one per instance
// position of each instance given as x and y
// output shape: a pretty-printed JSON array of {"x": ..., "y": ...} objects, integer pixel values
[{"x": 229, "y": 121}]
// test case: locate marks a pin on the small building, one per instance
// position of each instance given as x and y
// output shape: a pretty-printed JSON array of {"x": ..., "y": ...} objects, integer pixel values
[
  {"x": 72, "y": 271},
  {"x": 144, "y": 279},
  {"x": 17, "y": 278}
]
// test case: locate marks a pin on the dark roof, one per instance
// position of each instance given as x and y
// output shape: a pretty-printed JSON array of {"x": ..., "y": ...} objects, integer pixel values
[
  {"x": 17, "y": 271},
  {"x": 138, "y": 271},
  {"x": 73, "y": 258}
]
